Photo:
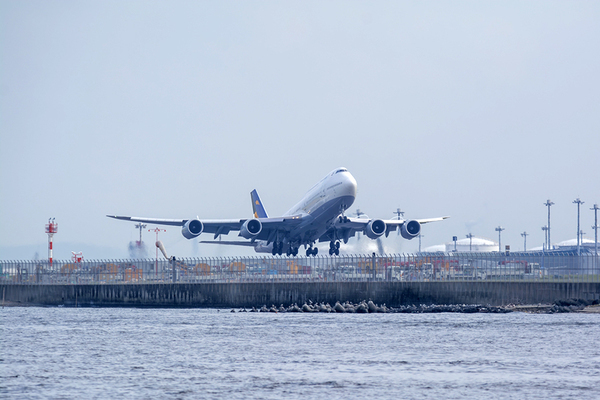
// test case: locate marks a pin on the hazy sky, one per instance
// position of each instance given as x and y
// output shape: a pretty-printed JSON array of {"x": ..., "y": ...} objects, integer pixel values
[{"x": 477, "y": 110}]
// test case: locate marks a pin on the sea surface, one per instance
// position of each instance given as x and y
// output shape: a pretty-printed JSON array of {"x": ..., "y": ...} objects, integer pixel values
[{"x": 119, "y": 353}]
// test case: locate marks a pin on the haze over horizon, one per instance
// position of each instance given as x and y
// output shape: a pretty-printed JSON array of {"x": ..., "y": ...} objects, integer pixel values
[{"x": 477, "y": 110}]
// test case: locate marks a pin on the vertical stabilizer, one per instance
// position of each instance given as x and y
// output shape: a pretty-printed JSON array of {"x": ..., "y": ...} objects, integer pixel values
[{"x": 257, "y": 207}]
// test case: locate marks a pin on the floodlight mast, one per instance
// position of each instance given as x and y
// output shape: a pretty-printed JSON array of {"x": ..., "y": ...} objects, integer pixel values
[
  {"x": 499, "y": 229},
  {"x": 595, "y": 227},
  {"x": 579, "y": 203},
  {"x": 545, "y": 229},
  {"x": 524, "y": 235},
  {"x": 399, "y": 215},
  {"x": 470, "y": 236},
  {"x": 140, "y": 226},
  {"x": 548, "y": 203}
]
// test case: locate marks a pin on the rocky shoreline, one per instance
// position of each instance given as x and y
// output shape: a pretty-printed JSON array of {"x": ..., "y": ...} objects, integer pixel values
[{"x": 366, "y": 307}]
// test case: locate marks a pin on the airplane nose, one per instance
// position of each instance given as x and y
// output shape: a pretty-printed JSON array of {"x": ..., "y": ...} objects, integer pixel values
[{"x": 349, "y": 186}]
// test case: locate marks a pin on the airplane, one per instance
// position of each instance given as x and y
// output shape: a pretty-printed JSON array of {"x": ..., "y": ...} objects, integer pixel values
[{"x": 317, "y": 217}]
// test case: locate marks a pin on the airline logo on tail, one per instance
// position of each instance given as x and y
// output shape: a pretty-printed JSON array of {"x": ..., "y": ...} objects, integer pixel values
[{"x": 257, "y": 206}]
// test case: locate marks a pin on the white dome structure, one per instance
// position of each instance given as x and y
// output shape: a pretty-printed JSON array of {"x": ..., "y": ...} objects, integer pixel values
[
  {"x": 438, "y": 248},
  {"x": 475, "y": 244}
]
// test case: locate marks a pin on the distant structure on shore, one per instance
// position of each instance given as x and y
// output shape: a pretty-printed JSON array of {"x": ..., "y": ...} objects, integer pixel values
[
  {"x": 482, "y": 245},
  {"x": 469, "y": 244}
]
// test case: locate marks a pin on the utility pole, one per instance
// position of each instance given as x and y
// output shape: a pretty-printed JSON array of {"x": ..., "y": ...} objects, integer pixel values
[
  {"x": 579, "y": 203},
  {"x": 548, "y": 204},
  {"x": 524, "y": 235},
  {"x": 499, "y": 229},
  {"x": 470, "y": 236},
  {"x": 420, "y": 236}
]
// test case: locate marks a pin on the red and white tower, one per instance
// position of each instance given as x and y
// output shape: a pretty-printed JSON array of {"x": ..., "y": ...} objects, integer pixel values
[{"x": 51, "y": 229}]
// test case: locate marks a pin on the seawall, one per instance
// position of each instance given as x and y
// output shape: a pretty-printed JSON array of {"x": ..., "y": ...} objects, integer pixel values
[{"x": 267, "y": 293}]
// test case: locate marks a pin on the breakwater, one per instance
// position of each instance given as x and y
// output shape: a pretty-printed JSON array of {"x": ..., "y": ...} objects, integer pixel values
[{"x": 251, "y": 294}]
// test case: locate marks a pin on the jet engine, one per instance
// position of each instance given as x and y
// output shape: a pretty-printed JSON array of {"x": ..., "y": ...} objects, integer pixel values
[
  {"x": 250, "y": 228},
  {"x": 375, "y": 229},
  {"x": 192, "y": 229},
  {"x": 410, "y": 229}
]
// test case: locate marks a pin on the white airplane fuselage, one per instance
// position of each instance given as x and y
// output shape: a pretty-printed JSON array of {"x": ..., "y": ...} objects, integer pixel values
[{"x": 317, "y": 210}]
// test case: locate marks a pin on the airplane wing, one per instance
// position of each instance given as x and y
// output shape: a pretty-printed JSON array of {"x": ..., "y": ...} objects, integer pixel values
[
  {"x": 270, "y": 226},
  {"x": 344, "y": 229}
]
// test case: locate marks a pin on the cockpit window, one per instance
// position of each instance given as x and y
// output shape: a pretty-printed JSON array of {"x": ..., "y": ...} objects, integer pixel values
[{"x": 341, "y": 170}]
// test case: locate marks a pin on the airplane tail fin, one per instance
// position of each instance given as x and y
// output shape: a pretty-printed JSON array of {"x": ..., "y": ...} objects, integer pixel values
[{"x": 257, "y": 207}]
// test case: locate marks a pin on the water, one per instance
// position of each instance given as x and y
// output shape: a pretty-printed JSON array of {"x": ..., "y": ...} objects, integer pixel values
[{"x": 70, "y": 353}]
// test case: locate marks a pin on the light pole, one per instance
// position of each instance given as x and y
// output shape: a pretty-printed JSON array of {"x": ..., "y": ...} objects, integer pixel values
[
  {"x": 579, "y": 203},
  {"x": 499, "y": 229},
  {"x": 595, "y": 227},
  {"x": 470, "y": 236},
  {"x": 140, "y": 226},
  {"x": 548, "y": 204},
  {"x": 420, "y": 236},
  {"x": 399, "y": 215},
  {"x": 524, "y": 235},
  {"x": 545, "y": 229}
]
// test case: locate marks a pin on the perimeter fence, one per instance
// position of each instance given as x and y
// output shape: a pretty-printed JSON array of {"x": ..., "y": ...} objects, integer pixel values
[{"x": 556, "y": 267}]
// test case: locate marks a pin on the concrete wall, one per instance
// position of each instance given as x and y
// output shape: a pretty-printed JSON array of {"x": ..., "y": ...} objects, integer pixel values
[{"x": 257, "y": 294}]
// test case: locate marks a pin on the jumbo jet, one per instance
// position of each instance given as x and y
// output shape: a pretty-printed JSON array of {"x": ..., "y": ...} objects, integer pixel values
[{"x": 318, "y": 217}]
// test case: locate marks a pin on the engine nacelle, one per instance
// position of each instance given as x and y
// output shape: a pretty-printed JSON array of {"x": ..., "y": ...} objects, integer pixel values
[
  {"x": 375, "y": 229},
  {"x": 250, "y": 228},
  {"x": 192, "y": 229},
  {"x": 410, "y": 229}
]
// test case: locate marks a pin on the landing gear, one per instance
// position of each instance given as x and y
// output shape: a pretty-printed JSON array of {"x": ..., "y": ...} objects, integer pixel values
[
  {"x": 312, "y": 251},
  {"x": 334, "y": 248},
  {"x": 292, "y": 251},
  {"x": 343, "y": 219},
  {"x": 277, "y": 248}
]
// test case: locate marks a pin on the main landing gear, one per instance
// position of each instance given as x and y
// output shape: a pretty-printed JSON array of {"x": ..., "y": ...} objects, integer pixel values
[
  {"x": 278, "y": 249},
  {"x": 334, "y": 248},
  {"x": 312, "y": 251}
]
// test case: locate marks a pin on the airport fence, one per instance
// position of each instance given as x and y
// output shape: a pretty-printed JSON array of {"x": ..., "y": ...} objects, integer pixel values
[{"x": 556, "y": 267}]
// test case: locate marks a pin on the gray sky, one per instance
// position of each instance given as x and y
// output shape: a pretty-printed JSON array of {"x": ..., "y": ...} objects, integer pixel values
[{"x": 477, "y": 110}]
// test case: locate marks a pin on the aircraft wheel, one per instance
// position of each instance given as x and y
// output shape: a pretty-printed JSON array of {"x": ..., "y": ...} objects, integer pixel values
[
  {"x": 337, "y": 252},
  {"x": 315, "y": 252}
]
